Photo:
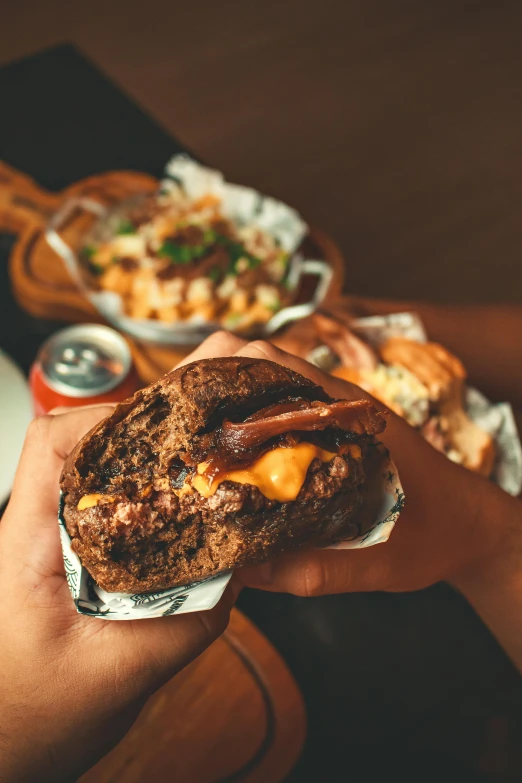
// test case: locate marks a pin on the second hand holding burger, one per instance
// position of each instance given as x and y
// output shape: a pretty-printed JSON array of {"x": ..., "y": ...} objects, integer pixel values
[{"x": 444, "y": 531}]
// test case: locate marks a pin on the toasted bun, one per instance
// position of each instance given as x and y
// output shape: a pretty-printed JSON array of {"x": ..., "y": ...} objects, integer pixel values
[
  {"x": 438, "y": 369},
  {"x": 180, "y": 407},
  {"x": 475, "y": 447}
]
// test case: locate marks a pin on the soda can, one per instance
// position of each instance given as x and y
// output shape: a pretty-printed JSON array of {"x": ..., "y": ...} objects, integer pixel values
[{"x": 82, "y": 365}]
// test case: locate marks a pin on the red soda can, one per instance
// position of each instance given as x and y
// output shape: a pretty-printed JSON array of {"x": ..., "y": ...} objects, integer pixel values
[{"x": 82, "y": 365}]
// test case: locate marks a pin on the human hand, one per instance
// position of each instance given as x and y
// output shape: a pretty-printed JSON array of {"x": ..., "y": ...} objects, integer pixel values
[
  {"x": 443, "y": 532},
  {"x": 71, "y": 685}
]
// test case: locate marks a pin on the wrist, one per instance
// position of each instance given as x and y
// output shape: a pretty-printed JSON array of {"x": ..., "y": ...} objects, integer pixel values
[
  {"x": 32, "y": 748},
  {"x": 495, "y": 560},
  {"x": 493, "y": 586}
]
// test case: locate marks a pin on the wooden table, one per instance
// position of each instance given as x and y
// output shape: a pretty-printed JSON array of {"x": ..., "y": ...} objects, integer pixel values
[
  {"x": 393, "y": 125},
  {"x": 396, "y": 126}
]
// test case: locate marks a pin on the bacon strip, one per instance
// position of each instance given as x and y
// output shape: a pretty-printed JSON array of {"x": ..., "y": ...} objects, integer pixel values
[{"x": 360, "y": 417}]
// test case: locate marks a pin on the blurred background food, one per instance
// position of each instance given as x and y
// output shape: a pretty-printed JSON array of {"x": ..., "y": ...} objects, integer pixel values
[
  {"x": 197, "y": 250},
  {"x": 424, "y": 384},
  {"x": 393, "y": 126},
  {"x": 176, "y": 260}
]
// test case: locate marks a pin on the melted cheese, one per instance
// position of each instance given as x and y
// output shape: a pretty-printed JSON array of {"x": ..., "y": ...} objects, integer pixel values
[
  {"x": 186, "y": 489},
  {"x": 354, "y": 451},
  {"x": 279, "y": 474},
  {"x": 88, "y": 501}
]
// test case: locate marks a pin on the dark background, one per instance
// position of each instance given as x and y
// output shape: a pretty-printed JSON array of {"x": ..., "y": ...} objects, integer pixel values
[
  {"x": 397, "y": 127},
  {"x": 394, "y": 124}
]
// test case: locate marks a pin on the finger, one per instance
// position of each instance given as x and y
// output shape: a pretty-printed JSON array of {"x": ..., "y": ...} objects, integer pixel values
[
  {"x": 170, "y": 643},
  {"x": 334, "y": 386},
  {"x": 48, "y": 442},
  {"x": 218, "y": 344},
  {"x": 29, "y": 525},
  {"x": 321, "y": 572},
  {"x": 399, "y": 436},
  {"x": 68, "y": 408},
  {"x": 234, "y": 587}
]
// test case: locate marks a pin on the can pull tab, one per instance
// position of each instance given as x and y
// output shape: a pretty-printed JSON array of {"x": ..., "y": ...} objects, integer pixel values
[
  {"x": 86, "y": 363},
  {"x": 85, "y": 360}
]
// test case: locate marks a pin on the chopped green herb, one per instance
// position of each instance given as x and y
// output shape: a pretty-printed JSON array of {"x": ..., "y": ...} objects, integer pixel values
[
  {"x": 198, "y": 250},
  {"x": 214, "y": 274},
  {"x": 209, "y": 236},
  {"x": 181, "y": 254},
  {"x": 237, "y": 251},
  {"x": 126, "y": 227},
  {"x": 184, "y": 254},
  {"x": 177, "y": 254},
  {"x": 89, "y": 251},
  {"x": 233, "y": 320},
  {"x": 95, "y": 269},
  {"x": 275, "y": 306}
]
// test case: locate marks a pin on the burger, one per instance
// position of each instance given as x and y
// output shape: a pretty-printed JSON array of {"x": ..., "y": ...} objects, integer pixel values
[
  {"x": 221, "y": 463},
  {"x": 425, "y": 384}
]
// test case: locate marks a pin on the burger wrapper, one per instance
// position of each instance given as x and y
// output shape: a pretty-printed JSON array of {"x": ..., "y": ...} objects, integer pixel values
[
  {"x": 377, "y": 517},
  {"x": 496, "y": 419}
]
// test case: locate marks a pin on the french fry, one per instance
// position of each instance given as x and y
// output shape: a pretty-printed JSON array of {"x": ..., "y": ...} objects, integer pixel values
[
  {"x": 117, "y": 280},
  {"x": 169, "y": 314}
]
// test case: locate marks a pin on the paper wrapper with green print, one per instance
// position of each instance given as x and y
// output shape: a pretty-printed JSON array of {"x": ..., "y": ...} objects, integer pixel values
[{"x": 377, "y": 517}]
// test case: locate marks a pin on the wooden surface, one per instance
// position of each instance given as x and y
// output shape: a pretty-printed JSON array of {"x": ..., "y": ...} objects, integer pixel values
[
  {"x": 39, "y": 279},
  {"x": 235, "y": 715},
  {"x": 393, "y": 125}
]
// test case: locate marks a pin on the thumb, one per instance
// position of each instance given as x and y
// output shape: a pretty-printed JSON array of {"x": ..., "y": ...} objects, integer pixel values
[
  {"x": 321, "y": 572},
  {"x": 29, "y": 525}
]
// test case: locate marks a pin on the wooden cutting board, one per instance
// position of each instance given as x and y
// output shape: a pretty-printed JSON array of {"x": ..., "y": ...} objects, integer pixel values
[
  {"x": 235, "y": 715},
  {"x": 40, "y": 281}
]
